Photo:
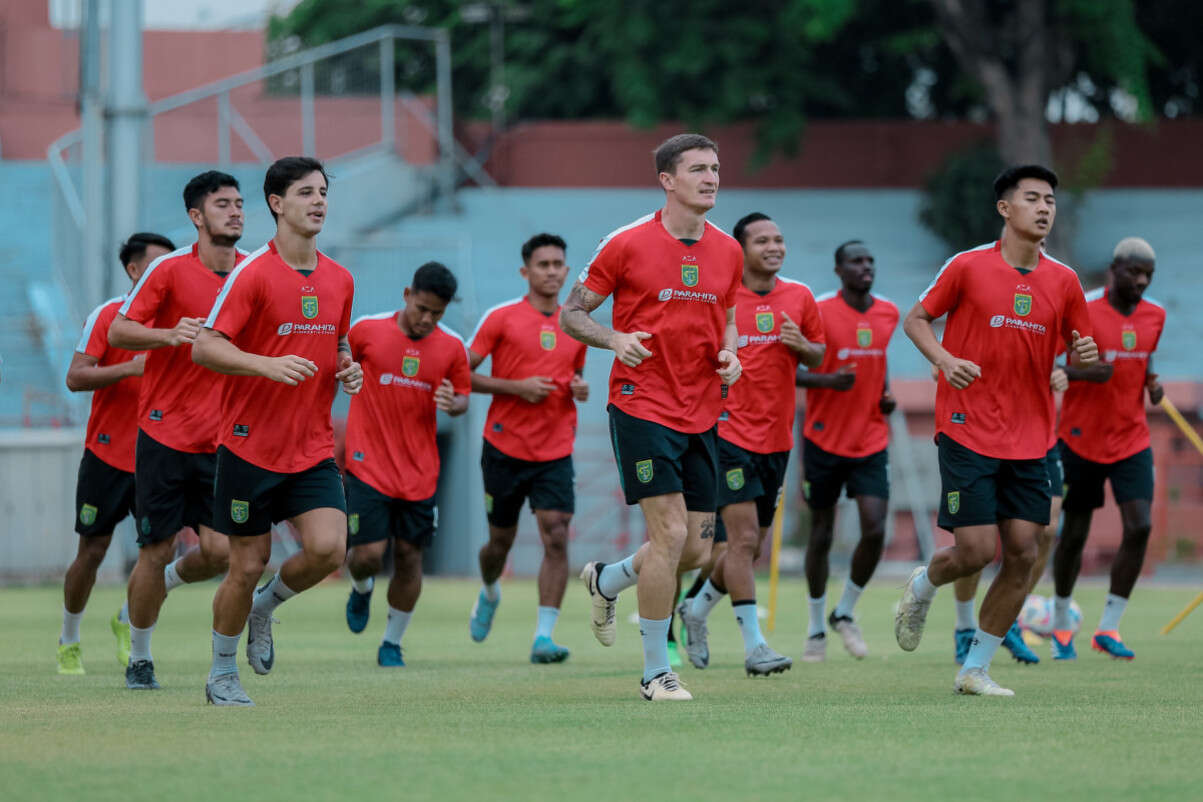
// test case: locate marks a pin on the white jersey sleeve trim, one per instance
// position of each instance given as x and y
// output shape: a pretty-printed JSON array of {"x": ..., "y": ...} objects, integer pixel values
[
  {"x": 90, "y": 323},
  {"x": 798, "y": 283},
  {"x": 1057, "y": 261},
  {"x": 827, "y": 296},
  {"x": 952, "y": 259},
  {"x": 489, "y": 311},
  {"x": 606, "y": 239},
  {"x": 129, "y": 299},
  {"x": 1095, "y": 294},
  {"x": 225, "y": 290},
  {"x": 1154, "y": 302},
  {"x": 373, "y": 316}
]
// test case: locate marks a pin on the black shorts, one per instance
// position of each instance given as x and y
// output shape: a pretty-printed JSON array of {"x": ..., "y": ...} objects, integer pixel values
[
  {"x": 373, "y": 516},
  {"x": 509, "y": 481},
  {"x": 654, "y": 460},
  {"x": 750, "y": 476},
  {"x": 173, "y": 488},
  {"x": 104, "y": 495},
  {"x": 1056, "y": 473},
  {"x": 825, "y": 474},
  {"x": 248, "y": 499},
  {"x": 1131, "y": 479},
  {"x": 976, "y": 490}
]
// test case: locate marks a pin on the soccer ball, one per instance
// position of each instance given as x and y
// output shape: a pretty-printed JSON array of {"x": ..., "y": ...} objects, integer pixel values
[{"x": 1037, "y": 616}]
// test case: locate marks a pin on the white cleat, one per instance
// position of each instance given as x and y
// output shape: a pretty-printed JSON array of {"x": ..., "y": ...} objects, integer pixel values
[
  {"x": 664, "y": 688},
  {"x": 260, "y": 649},
  {"x": 816, "y": 649},
  {"x": 911, "y": 616},
  {"x": 765, "y": 660},
  {"x": 602, "y": 615},
  {"x": 976, "y": 682},
  {"x": 854, "y": 641},
  {"x": 696, "y": 647}
]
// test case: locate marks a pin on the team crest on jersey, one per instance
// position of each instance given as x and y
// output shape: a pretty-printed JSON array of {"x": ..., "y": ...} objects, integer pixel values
[
  {"x": 409, "y": 366},
  {"x": 1023, "y": 304},
  {"x": 240, "y": 511},
  {"x": 547, "y": 339},
  {"x": 309, "y": 306},
  {"x": 1128, "y": 338},
  {"x": 954, "y": 502},
  {"x": 764, "y": 322},
  {"x": 87, "y": 515},
  {"x": 689, "y": 275},
  {"x": 864, "y": 336},
  {"x": 735, "y": 478},
  {"x": 643, "y": 470},
  {"x": 353, "y": 523}
]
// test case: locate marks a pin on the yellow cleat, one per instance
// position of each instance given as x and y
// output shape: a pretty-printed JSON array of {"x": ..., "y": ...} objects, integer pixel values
[
  {"x": 121, "y": 633},
  {"x": 70, "y": 660}
]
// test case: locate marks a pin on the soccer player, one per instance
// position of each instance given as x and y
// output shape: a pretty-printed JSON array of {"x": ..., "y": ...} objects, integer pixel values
[
  {"x": 846, "y": 434},
  {"x": 1008, "y": 306},
  {"x": 104, "y": 491},
  {"x": 527, "y": 452},
  {"x": 413, "y": 366},
  {"x": 177, "y": 420},
  {"x": 674, "y": 278},
  {"x": 779, "y": 327},
  {"x": 279, "y": 330},
  {"x": 1104, "y": 435}
]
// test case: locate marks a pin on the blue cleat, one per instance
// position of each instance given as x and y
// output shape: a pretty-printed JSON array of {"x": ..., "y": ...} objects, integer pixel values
[
  {"x": 1109, "y": 643},
  {"x": 389, "y": 655},
  {"x": 963, "y": 638},
  {"x": 545, "y": 650},
  {"x": 1063, "y": 645},
  {"x": 359, "y": 607},
  {"x": 482, "y": 617},
  {"x": 1013, "y": 643}
]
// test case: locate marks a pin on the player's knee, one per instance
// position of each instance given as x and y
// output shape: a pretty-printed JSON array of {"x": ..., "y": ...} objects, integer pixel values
[
  {"x": 1137, "y": 534},
  {"x": 159, "y": 554},
  {"x": 92, "y": 551},
  {"x": 216, "y": 551},
  {"x": 694, "y": 555}
]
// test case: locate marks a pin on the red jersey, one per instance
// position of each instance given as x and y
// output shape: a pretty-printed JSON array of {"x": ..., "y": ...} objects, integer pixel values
[
  {"x": 270, "y": 309},
  {"x": 112, "y": 424},
  {"x": 179, "y": 399},
  {"x": 1010, "y": 324},
  {"x": 759, "y": 414},
  {"x": 1107, "y": 422},
  {"x": 392, "y": 423},
  {"x": 849, "y": 422},
  {"x": 525, "y": 342},
  {"x": 680, "y": 295}
]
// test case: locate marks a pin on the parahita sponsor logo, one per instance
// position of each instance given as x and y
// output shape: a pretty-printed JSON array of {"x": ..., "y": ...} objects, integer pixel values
[
  {"x": 285, "y": 329},
  {"x": 1003, "y": 321},
  {"x": 669, "y": 294}
]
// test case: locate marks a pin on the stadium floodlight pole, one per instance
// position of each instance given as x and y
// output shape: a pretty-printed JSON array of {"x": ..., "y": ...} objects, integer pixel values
[{"x": 126, "y": 115}]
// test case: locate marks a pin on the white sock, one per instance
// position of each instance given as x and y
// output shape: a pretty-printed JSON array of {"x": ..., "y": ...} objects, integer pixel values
[
  {"x": 1061, "y": 619},
  {"x": 848, "y": 601},
  {"x": 965, "y": 615},
  {"x": 171, "y": 577},
  {"x": 982, "y": 651},
  {"x": 818, "y": 613},
  {"x": 492, "y": 592},
  {"x": 225, "y": 652},
  {"x": 1113, "y": 611},
  {"x": 139, "y": 643},
  {"x": 394, "y": 630},
  {"x": 924, "y": 589},
  {"x": 123, "y": 614},
  {"x": 363, "y": 586},
  {"x": 274, "y": 594},
  {"x": 704, "y": 602},
  {"x": 70, "y": 632},
  {"x": 617, "y": 577},
  {"x": 546, "y": 621},
  {"x": 749, "y": 624}
]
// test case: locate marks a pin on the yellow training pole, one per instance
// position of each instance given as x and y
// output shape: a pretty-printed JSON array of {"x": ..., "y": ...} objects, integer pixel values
[
  {"x": 1177, "y": 418},
  {"x": 1165, "y": 630},
  {"x": 774, "y": 560}
]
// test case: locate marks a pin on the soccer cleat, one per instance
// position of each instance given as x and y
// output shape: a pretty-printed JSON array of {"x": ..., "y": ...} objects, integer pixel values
[
  {"x": 976, "y": 682},
  {"x": 911, "y": 616},
  {"x": 602, "y": 615},
  {"x": 1109, "y": 642},
  {"x": 674, "y": 655},
  {"x": 121, "y": 633},
  {"x": 389, "y": 655},
  {"x": 697, "y": 649},
  {"x": 816, "y": 649},
  {"x": 854, "y": 641},
  {"x": 260, "y": 649},
  {"x": 962, "y": 639},
  {"x": 140, "y": 676},
  {"x": 1013, "y": 643},
  {"x": 1063, "y": 645},
  {"x": 545, "y": 650},
  {"x": 664, "y": 687},
  {"x": 70, "y": 660},
  {"x": 226, "y": 691},
  {"x": 765, "y": 660},
  {"x": 481, "y": 620},
  {"x": 359, "y": 608}
]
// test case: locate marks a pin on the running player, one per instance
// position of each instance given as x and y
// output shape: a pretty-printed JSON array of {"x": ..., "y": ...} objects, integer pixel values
[
  {"x": 527, "y": 452},
  {"x": 674, "y": 278},
  {"x": 104, "y": 492},
  {"x": 779, "y": 327},
  {"x": 279, "y": 330},
  {"x": 1104, "y": 435},
  {"x": 846, "y": 434},
  {"x": 177, "y": 427},
  {"x": 414, "y": 366},
  {"x": 1008, "y": 305}
]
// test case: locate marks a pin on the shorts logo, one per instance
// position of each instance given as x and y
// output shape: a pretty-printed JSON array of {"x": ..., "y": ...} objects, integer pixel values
[
  {"x": 806, "y": 490},
  {"x": 954, "y": 502},
  {"x": 87, "y": 515},
  {"x": 1023, "y": 304},
  {"x": 240, "y": 511},
  {"x": 665, "y": 294},
  {"x": 689, "y": 275},
  {"x": 309, "y": 306},
  {"x": 764, "y": 322},
  {"x": 353, "y": 523},
  {"x": 285, "y": 328},
  {"x": 409, "y": 365},
  {"x": 735, "y": 478},
  {"x": 488, "y": 503},
  {"x": 1128, "y": 338},
  {"x": 146, "y": 526},
  {"x": 547, "y": 339},
  {"x": 864, "y": 337},
  {"x": 643, "y": 470}
]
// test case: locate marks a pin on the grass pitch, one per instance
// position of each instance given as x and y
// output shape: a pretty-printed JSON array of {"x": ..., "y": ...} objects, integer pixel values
[{"x": 479, "y": 722}]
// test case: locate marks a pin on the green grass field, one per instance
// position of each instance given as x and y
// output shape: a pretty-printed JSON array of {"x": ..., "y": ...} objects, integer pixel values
[{"x": 477, "y": 721}]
